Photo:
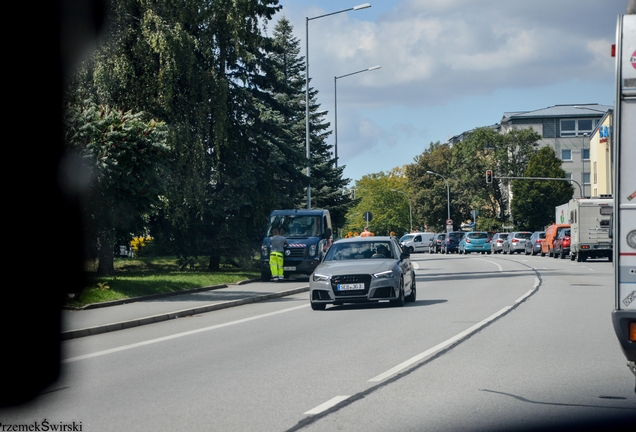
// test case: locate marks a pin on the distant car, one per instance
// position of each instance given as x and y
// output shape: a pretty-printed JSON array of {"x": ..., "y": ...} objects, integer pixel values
[
  {"x": 475, "y": 242},
  {"x": 496, "y": 242},
  {"x": 363, "y": 269},
  {"x": 516, "y": 242},
  {"x": 451, "y": 242},
  {"x": 416, "y": 242},
  {"x": 562, "y": 244},
  {"x": 435, "y": 244},
  {"x": 533, "y": 245}
]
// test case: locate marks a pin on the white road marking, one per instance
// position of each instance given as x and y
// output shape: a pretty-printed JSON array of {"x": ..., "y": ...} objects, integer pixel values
[
  {"x": 325, "y": 406},
  {"x": 491, "y": 262},
  {"x": 178, "y": 335},
  {"x": 451, "y": 341}
]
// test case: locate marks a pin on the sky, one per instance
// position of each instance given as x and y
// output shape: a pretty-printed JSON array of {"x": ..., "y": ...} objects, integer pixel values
[{"x": 448, "y": 66}]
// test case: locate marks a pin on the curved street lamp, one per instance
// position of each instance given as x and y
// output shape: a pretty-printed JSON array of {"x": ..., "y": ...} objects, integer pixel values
[
  {"x": 335, "y": 101},
  {"x": 410, "y": 209},
  {"x": 447, "y": 194},
  {"x": 307, "y": 19}
]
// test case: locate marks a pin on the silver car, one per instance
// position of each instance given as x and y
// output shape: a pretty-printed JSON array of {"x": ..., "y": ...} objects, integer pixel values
[
  {"x": 497, "y": 241},
  {"x": 363, "y": 269},
  {"x": 516, "y": 242}
]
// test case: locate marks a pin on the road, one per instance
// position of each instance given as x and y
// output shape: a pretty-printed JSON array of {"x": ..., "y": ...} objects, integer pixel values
[{"x": 491, "y": 342}]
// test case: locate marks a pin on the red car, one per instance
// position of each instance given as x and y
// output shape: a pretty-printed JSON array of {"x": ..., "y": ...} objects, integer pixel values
[{"x": 562, "y": 244}]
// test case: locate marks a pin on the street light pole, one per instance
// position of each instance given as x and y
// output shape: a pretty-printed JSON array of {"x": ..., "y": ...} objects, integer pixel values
[
  {"x": 335, "y": 101},
  {"x": 410, "y": 209},
  {"x": 447, "y": 193},
  {"x": 307, "y": 19}
]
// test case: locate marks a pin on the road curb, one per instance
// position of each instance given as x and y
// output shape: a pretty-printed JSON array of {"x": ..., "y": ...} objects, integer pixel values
[{"x": 90, "y": 331}]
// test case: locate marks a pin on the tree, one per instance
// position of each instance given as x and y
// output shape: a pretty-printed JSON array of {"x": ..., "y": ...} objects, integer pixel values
[
  {"x": 123, "y": 155},
  {"x": 374, "y": 193},
  {"x": 534, "y": 201},
  {"x": 429, "y": 193}
]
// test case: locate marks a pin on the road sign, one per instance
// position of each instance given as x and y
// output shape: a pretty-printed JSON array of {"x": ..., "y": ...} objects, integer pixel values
[
  {"x": 449, "y": 221},
  {"x": 367, "y": 216}
]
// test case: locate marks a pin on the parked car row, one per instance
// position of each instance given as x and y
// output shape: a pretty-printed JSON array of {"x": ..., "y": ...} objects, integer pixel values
[{"x": 554, "y": 242}]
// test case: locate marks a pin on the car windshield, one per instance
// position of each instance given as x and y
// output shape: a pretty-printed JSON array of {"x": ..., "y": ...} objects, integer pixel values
[
  {"x": 359, "y": 251},
  {"x": 477, "y": 235},
  {"x": 293, "y": 225},
  {"x": 524, "y": 235},
  {"x": 503, "y": 236},
  {"x": 455, "y": 236},
  {"x": 406, "y": 238}
]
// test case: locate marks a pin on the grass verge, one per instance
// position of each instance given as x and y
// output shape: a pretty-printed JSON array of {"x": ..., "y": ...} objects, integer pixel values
[{"x": 152, "y": 275}]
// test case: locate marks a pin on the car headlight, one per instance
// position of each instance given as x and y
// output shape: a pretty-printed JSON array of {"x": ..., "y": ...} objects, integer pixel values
[
  {"x": 312, "y": 250},
  {"x": 320, "y": 277},
  {"x": 384, "y": 274}
]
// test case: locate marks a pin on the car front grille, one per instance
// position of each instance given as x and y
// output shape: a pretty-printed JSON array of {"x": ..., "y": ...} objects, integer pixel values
[
  {"x": 295, "y": 252},
  {"x": 349, "y": 279}
]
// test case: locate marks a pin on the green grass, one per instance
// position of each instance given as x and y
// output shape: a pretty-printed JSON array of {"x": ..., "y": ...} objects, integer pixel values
[{"x": 153, "y": 275}]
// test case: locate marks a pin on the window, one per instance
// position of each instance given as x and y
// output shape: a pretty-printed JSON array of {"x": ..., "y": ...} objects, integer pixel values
[
  {"x": 586, "y": 154},
  {"x": 586, "y": 177},
  {"x": 568, "y": 175},
  {"x": 577, "y": 127},
  {"x": 566, "y": 154}
]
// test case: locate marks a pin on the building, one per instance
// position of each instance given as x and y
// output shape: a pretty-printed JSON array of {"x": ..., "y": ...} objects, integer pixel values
[
  {"x": 600, "y": 157},
  {"x": 568, "y": 130}
]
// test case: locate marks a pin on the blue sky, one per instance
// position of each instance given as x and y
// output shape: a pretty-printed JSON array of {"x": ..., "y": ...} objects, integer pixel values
[{"x": 448, "y": 66}]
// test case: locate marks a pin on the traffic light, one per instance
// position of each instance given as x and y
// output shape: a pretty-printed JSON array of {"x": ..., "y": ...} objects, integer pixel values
[{"x": 488, "y": 176}]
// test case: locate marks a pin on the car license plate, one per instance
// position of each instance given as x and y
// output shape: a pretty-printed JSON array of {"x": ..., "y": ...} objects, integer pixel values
[
  {"x": 289, "y": 268},
  {"x": 350, "y": 287}
]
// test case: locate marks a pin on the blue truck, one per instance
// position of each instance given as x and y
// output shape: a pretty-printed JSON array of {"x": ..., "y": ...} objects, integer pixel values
[{"x": 308, "y": 234}]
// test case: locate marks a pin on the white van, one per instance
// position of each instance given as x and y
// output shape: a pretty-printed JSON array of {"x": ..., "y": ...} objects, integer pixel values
[{"x": 416, "y": 242}]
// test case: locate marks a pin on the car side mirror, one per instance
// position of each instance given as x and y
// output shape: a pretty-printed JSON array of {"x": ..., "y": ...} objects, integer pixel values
[{"x": 327, "y": 233}]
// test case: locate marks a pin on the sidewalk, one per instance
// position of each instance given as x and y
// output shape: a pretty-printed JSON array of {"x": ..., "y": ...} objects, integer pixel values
[{"x": 147, "y": 310}]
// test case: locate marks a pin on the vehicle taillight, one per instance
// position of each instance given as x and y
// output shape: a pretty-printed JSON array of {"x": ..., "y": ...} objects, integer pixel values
[
  {"x": 499, "y": 241},
  {"x": 515, "y": 240},
  {"x": 538, "y": 240},
  {"x": 632, "y": 331},
  {"x": 467, "y": 240}
]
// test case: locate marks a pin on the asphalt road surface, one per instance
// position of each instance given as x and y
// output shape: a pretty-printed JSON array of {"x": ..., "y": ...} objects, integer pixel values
[{"x": 492, "y": 342}]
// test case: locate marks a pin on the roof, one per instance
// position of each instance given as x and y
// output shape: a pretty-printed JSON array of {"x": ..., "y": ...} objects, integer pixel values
[{"x": 579, "y": 110}]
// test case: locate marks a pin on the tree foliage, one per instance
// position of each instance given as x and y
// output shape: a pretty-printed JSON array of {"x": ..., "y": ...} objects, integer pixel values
[
  {"x": 534, "y": 200},
  {"x": 122, "y": 156},
  {"x": 375, "y": 193}
]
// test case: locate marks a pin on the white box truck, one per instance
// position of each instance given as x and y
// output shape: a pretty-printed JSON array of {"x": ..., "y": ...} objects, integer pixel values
[
  {"x": 589, "y": 220},
  {"x": 561, "y": 214}
]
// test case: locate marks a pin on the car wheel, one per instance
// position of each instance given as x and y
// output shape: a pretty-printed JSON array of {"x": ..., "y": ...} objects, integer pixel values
[
  {"x": 318, "y": 306},
  {"x": 411, "y": 297},
  {"x": 562, "y": 255},
  {"x": 572, "y": 256},
  {"x": 399, "y": 302},
  {"x": 265, "y": 276},
  {"x": 542, "y": 254},
  {"x": 555, "y": 254},
  {"x": 411, "y": 250}
]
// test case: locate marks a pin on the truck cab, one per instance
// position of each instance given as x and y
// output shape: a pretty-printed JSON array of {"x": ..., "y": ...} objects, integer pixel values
[{"x": 308, "y": 234}]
